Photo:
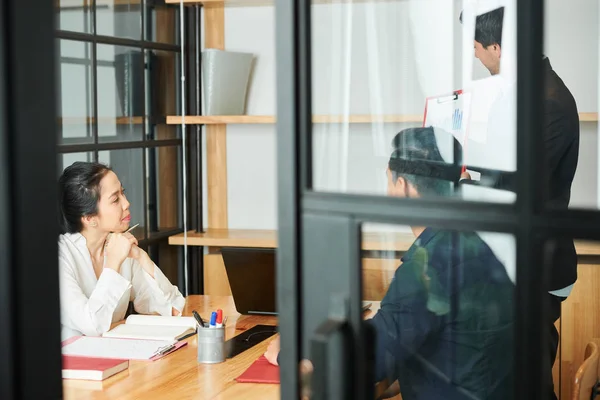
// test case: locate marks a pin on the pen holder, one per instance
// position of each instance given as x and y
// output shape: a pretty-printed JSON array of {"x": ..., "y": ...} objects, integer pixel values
[{"x": 211, "y": 345}]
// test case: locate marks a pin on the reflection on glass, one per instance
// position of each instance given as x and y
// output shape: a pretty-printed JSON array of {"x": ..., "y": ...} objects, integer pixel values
[
  {"x": 128, "y": 165},
  {"x": 373, "y": 74},
  {"x": 64, "y": 160},
  {"x": 75, "y": 15},
  {"x": 162, "y": 92},
  {"x": 120, "y": 94},
  {"x": 445, "y": 323},
  {"x": 75, "y": 93},
  {"x": 163, "y": 188},
  {"x": 162, "y": 23},
  {"x": 120, "y": 18}
]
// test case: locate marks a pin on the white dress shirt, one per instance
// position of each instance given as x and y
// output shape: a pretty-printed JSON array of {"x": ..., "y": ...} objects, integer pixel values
[{"x": 89, "y": 305}]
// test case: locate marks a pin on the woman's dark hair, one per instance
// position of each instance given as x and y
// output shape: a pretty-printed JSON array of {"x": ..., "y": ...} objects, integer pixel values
[{"x": 79, "y": 193}]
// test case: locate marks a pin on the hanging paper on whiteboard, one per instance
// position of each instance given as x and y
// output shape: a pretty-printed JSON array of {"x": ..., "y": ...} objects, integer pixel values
[{"x": 449, "y": 113}]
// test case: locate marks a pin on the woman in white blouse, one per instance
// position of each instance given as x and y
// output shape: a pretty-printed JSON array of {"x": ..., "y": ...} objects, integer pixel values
[{"x": 101, "y": 268}]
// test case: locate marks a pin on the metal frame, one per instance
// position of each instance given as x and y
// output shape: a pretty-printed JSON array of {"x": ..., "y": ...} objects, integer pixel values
[
  {"x": 30, "y": 361},
  {"x": 527, "y": 219},
  {"x": 194, "y": 150},
  {"x": 291, "y": 117},
  {"x": 194, "y": 153}
]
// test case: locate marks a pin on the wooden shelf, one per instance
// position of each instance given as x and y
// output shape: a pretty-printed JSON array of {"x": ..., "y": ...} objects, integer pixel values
[
  {"x": 229, "y": 238},
  {"x": 84, "y": 4},
  {"x": 372, "y": 241},
  {"x": 254, "y": 3},
  {"x": 317, "y": 119},
  {"x": 237, "y": 3},
  {"x": 101, "y": 120},
  {"x": 270, "y": 119},
  {"x": 588, "y": 116}
]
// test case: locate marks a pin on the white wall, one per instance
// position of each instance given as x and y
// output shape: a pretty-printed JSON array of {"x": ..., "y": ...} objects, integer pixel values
[
  {"x": 571, "y": 44},
  {"x": 351, "y": 77}
]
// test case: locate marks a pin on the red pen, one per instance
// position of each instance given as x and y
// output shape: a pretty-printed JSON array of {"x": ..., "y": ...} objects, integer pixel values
[{"x": 219, "y": 318}]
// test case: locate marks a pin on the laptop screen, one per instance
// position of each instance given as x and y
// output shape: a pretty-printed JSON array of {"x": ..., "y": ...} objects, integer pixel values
[{"x": 251, "y": 274}]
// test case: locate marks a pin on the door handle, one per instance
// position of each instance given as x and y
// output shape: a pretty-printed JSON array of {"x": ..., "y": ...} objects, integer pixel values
[{"x": 321, "y": 350}]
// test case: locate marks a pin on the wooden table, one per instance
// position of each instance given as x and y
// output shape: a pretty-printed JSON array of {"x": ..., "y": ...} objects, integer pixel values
[{"x": 179, "y": 375}]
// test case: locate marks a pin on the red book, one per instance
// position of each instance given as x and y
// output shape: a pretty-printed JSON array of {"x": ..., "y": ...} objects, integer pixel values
[
  {"x": 261, "y": 371},
  {"x": 93, "y": 369}
]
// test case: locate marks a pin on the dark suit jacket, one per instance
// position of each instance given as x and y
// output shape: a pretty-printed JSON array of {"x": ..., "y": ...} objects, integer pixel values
[{"x": 561, "y": 139}]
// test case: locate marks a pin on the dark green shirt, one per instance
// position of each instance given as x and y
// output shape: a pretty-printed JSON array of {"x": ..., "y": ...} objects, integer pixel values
[{"x": 445, "y": 327}]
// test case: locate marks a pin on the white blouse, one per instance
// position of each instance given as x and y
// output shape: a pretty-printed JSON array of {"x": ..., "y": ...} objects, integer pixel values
[{"x": 89, "y": 305}]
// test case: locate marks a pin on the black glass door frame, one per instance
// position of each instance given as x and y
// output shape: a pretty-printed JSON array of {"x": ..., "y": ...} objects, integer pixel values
[
  {"x": 302, "y": 212},
  {"x": 30, "y": 361}
]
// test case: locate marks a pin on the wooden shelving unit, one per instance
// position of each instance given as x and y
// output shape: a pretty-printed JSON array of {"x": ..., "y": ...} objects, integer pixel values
[
  {"x": 270, "y": 119},
  {"x": 372, "y": 241},
  {"x": 317, "y": 119}
]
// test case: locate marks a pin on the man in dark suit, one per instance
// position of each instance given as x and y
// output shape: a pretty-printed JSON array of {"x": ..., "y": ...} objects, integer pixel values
[{"x": 561, "y": 140}]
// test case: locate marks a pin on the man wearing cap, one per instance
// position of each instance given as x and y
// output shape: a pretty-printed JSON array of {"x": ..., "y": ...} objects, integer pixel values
[{"x": 444, "y": 329}]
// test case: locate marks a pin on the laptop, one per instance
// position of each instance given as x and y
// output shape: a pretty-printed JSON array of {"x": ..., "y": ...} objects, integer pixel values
[{"x": 251, "y": 274}]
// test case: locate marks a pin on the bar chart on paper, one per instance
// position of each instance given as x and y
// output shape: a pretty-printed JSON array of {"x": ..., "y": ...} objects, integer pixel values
[
  {"x": 449, "y": 113},
  {"x": 457, "y": 120}
]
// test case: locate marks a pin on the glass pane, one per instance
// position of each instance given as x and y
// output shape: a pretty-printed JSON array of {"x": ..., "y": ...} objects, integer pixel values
[
  {"x": 374, "y": 74},
  {"x": 163, "y": 165},
  {"x": 128, "y": 165},
  {"x": 162, "y": 93},
  {"x": 120, "y": 18},
  {"x": 75, "y": 15},
  {"x": 571, "y": 105},
  {"x": 162, "y": 23},
  {"x": 120, "y": 94},
  {"x": 64, "y": 160},
  {"x": 579, "y": 310},
  {"x": 75, "y": 94},
  {"x": 442, "y": 308}
]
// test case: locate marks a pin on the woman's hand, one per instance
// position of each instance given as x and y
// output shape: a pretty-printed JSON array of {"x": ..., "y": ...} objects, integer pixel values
[
  {"x": 143, "y": 258},
  {"x": 273, "y": 351},
  {"x": 117, "y": 248}
]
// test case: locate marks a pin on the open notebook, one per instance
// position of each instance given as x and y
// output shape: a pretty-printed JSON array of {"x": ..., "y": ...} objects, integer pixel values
[{"x": 154, "y": 327}]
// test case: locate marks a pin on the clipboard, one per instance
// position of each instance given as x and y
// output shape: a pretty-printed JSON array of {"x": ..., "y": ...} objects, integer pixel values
[{"x": 450, "y": 112}]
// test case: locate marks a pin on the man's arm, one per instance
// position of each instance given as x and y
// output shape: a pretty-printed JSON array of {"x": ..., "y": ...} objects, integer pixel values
[{"x": 403, "y": 322}]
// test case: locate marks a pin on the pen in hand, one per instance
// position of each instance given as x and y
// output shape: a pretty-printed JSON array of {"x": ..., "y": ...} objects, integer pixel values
[{"x": 132, "y": 228}]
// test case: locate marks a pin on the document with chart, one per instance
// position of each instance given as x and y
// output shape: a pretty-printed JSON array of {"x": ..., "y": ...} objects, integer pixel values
[{"x": 449, "y": 112}]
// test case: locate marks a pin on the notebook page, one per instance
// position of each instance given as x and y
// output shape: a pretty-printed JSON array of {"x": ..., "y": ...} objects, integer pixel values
[
  {"x": 136, "y": 319},
  {"x": 150, "y": 332},
  {"x": 124, "y": 349}
]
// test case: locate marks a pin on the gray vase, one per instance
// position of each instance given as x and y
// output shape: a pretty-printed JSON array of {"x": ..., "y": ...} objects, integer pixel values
[{"x": 226, "y": 75}]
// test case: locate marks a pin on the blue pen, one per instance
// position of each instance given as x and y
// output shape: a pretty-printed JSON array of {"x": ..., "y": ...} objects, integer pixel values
[{"x": 213, "y": 319}]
